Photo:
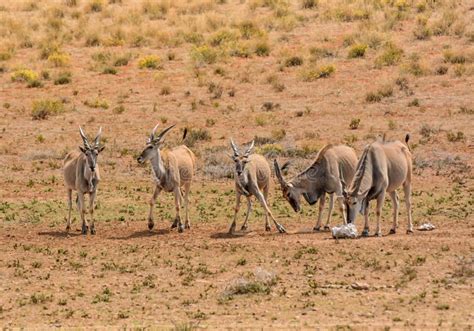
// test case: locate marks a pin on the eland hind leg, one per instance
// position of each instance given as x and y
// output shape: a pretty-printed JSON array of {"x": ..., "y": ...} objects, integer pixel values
[
  {"x": 407, "y": 192},
  {"x": 177, "y": 202},
  {"x": 249, "y": 210},
  {"x": 69, "y": 204},
  {"x": 395, "y": 203},
  {"x": 187, "y": 188}
]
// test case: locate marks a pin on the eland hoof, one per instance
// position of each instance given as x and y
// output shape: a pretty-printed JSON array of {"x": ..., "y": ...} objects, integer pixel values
[
  {"x": 317, "y": 229},
  {"x": 392, "y": 231},
  {"x": 281, "y": 229},
  {"x": 175, "y": 224},
  {"x": 365, "y": 233},
  {"x": 378, "y": 234},
  {"x": 187, "y": 226},
  {"x": 409, "y": 231},
  {"x": 92, "y": 229},
  {"x": 84, "y": 229},
  {"x": 244, "y": 228},
  {"x": 150, "y": 225},
  {"x": 327, "y": 228},
  {"x": 180, "y": 228}
]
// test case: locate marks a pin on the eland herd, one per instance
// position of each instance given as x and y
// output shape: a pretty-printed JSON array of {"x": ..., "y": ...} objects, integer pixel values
[{"x": 382, "y": 168}]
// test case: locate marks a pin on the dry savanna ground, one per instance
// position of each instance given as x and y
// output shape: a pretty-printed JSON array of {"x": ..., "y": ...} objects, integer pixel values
[{"x": 293, "y": 75}]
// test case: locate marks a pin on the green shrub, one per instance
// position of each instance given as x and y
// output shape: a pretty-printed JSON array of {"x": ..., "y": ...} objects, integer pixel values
[
  {"x": 149, "y": 62},
  {"x": 196, "y": 135},
  {"x": 24, "y": 75},
  {"x": 314, "y": 73},
  {"x": 5, "y": 55},
  {"x": 63, "y": 78},
  {"x": 59, "y": 59},
  {"x": 270, "y": 150},
  {"x": 262, "y": 48},
  {"x": 293, "y": 61},
  {"x": 119, "y": 109},
  {"x": 42, "y": 109},
  {"x": 319, "y": 53},
  {"x": 240, "y": 50},
  {"x": 222, "y": 37},
  {"x": 97, "y": 103},
  {"x": 249, "y": 29},
  {"x": 96, "y": 6},
  {"x": 455, "y": 136},
  {"x": 109, "y": 71},
  {"x": 391, "y": 55},
  {"x": 34, "y": 83},
  {"x": 122, "y": 60},
  {"x": 204, "y": 55},
  {"x": 155, "y": 10},
  {"x": 357, "y": 50},
  {"x": 383, "y": 92},
  {"x": 454, "y": 58},
  {"x": 354, "y": 125},
  {"x": 309, "y": 4}
]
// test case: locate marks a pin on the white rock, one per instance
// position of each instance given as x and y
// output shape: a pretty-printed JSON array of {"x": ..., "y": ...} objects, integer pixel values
[{"x": 344, "y": 231}]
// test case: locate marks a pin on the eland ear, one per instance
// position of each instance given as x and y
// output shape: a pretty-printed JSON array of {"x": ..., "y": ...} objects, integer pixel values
[
  {"x": 100, "y": 149},
  {"x": 285, "y": 165},
  {"x": 83, "y": 150}
]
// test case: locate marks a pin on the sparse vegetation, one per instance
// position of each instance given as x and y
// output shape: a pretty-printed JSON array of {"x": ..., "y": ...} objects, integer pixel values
[
  {"x": 149, "y": 62},
  {"x": 24, "y": 75},
  {"x": 42, "y": 109},
  {"x": 383, "y": 92},
  {"x": 357, "y": 50},
  {"x": 314, "y": 73},
  {"x": 390, "y": 55}
]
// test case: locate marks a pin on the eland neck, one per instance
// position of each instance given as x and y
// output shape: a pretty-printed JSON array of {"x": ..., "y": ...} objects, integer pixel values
[{"x": 157, "y": 166}]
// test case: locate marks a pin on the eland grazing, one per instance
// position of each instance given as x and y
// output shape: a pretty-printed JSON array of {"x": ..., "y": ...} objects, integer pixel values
[
  {"x": 383, "y": 167},
  {"x": 81, "y": 174},
  {"x": 320, "y": 178},
  {"x": 173, "y": 171},
  {"x": 252, "y": 176}
]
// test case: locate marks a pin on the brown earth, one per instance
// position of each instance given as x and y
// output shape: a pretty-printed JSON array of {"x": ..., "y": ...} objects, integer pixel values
[{"x": 128, "y": 276}]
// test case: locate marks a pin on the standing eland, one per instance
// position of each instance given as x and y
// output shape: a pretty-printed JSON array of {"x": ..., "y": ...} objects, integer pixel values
[
  {"x": 173, "y": 171},
  {"x": 252, "y": 176},
  {"x": 320, "y": 178},
  {"x": 81, "y": 174},
  {"x": 383, "y": 167}
]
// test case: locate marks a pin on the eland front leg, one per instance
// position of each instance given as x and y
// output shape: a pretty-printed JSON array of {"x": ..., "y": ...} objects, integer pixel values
[
  {"x": 268, "y": 212},
  {"x": 151, "y": 224},
  {"x": 236, "y": 211}
]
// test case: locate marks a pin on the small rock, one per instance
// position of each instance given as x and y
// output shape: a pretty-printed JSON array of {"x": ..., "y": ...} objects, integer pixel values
[{"x": 360, "y": 286}]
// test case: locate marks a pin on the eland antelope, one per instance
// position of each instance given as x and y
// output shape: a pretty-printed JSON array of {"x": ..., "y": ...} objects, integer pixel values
[
  {"x": 320, "y": 178},
  {"x": 173, "y": 171},
  {"x": 252, "y": 176},
  {"x": 383, "y": 167},
  {"x": 81, "y": 174}
]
